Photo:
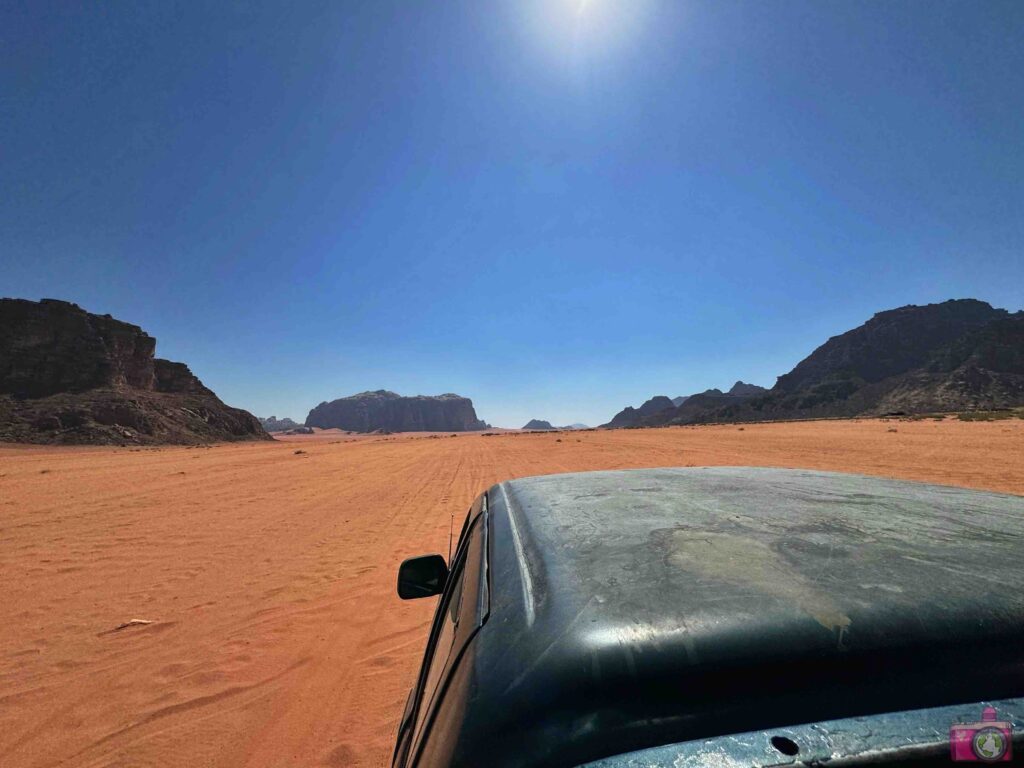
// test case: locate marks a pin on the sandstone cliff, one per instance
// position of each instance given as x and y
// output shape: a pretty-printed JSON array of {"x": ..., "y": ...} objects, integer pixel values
[
  {"x": 69, "y": 376},
  {"x": 383, "y": 410}
]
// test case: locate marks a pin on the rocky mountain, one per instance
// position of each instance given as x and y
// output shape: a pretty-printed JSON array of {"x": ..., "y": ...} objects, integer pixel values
[
  {"x": 274, "y": 424},
  {"x": 739, "y": 389},
  {"x": 958, "y": 355},
  {"x": 538, "y": 424},
  {"x": 577, "y": 425},
  {"x": 69, "y": 376},
  {"x": 634, "y": 417},
  {"x": 890, "y": 343},
  {"x": 696, "y": 405},
  {"x": 383, "y": 410},
  {"x": 661, "y": 410}
]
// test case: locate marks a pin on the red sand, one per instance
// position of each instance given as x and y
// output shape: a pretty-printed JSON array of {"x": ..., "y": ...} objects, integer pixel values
[{"x": 268, "y": 576}]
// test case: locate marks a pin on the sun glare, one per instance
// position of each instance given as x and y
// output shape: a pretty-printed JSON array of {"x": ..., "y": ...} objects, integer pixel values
[{"x": 603, "y": 22}]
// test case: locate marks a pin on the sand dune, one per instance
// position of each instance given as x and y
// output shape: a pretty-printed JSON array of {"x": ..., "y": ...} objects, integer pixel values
[{"x": 262, "y": 578}]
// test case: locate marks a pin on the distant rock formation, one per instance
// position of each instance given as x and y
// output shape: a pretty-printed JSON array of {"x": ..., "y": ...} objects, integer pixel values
[
  {"x": 739, "y": 389},
  {"x": 537, "y": 424},
  {"x": 634, "y": 417},
  {"x": 274, "y": 424},
  {"x": 69, "y": 376},
  {"x": 960, "y": 355},
  {"x": 660, "y": 410},
  {"x": 383, "y": 410}
]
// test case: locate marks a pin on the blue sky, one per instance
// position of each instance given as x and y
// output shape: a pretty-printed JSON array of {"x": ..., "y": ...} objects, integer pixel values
[{"x": 555, "y": 208}]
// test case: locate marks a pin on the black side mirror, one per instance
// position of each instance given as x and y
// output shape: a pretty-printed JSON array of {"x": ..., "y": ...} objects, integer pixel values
[{"x": 422, "y": 577}]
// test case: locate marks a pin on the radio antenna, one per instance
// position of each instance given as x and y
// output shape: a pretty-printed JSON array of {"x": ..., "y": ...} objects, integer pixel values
[{"x": 451, "y": 528}]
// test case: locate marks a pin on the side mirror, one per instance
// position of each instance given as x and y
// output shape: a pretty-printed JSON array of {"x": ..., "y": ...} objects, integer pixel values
[{"x": 422, "y": 577}]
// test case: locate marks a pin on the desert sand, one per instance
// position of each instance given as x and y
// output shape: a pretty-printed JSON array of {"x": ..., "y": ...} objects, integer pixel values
[{"x": 266, "y": 576}]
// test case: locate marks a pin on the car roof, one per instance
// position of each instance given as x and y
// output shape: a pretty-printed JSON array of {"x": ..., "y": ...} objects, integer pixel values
[{"x": 639, "y": 607}]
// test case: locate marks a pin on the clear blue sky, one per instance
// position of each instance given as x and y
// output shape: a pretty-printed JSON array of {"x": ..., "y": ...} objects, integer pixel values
[{"x": 556, "y": 208}]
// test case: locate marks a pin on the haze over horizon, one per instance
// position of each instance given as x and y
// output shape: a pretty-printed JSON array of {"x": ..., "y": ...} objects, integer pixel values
[{"x": 554, "y": 208}]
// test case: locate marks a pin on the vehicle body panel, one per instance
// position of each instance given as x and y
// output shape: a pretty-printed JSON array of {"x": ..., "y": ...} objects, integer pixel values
[
  {"x": 640, "y": 608},
  {"x": 903, "y": 738}
]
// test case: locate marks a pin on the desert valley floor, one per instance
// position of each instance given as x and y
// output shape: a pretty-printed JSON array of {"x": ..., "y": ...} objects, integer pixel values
[{"x": 266, "y": 572}]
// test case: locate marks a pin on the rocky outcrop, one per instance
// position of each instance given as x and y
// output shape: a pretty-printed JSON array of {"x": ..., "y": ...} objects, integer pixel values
[
  {"x": 535, "y": 424},
  {"x": 274, "y": 424},
  {"x": 50, "y": 346},
  {"x": 69, "y": 376},
  {"x": 176, "y": 377},
  {"x": 739, "y": 389},
  {"x": 889, "y": 344},
  {"x": 387, "y": 411}
]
